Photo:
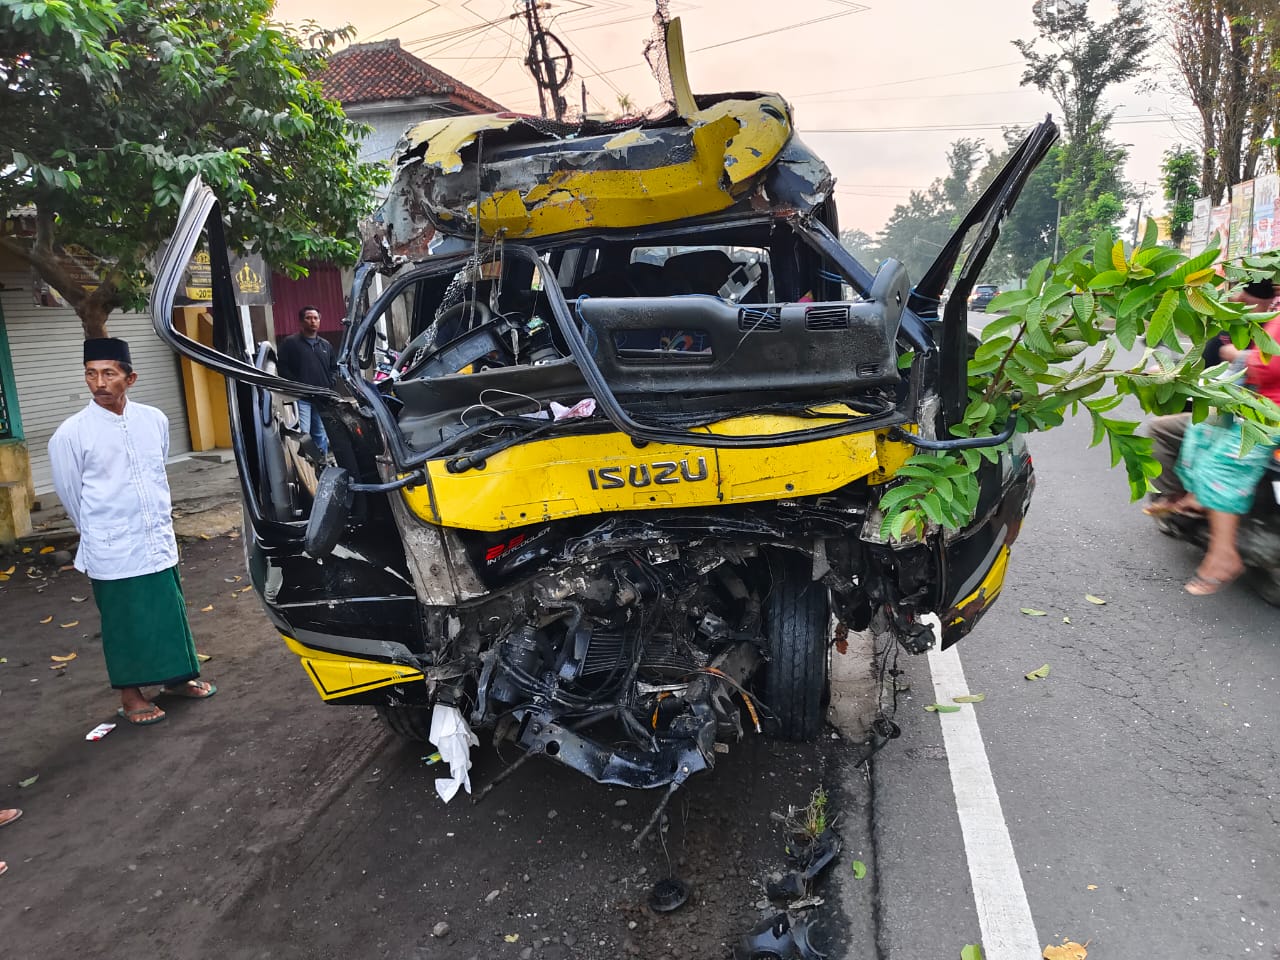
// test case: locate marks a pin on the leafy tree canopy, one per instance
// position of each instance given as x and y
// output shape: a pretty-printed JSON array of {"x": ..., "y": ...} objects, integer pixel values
[
  {"x": 112, "y": 106},
  {"x": 1180, "y": 179},
  {"x": 1075, "y": 60}
]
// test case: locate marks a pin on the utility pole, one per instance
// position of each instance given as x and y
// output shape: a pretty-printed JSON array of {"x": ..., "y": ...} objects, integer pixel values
[
  {"x": 548, "y": 60},
  {"x": 1137, "y": 220}
]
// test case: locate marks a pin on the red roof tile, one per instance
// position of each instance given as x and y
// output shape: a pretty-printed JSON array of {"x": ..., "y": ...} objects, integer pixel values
[{"x": 383, "y": 70}]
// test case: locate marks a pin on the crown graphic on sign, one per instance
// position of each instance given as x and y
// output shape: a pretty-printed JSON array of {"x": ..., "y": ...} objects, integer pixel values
[{"x": 248, "y": 280}]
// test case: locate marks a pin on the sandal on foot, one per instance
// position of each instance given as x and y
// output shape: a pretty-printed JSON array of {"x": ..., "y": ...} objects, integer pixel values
[
  {"x": 142, "y": 716},
  {"x": 192, "y": 690},
  {"x": 1199, "y": 586},
  {"x": 8, "y": 816}
]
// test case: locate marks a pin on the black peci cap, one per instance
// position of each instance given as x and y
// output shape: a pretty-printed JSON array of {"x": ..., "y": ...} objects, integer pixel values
[{"x": 107, "y": 348}]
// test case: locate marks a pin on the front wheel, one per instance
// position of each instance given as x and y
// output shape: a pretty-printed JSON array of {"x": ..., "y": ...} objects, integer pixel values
[{"x": 797, "y": 617}]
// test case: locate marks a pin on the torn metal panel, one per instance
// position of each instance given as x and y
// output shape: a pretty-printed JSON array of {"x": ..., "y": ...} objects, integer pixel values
[{"x": 523, "y": 177}]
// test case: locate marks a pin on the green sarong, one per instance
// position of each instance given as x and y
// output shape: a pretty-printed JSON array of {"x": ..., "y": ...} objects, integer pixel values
[{"x": 145, "y": 635}]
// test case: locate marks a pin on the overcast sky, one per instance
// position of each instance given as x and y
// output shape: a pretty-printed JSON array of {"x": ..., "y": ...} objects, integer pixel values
[{"x": 867, "y": 80}]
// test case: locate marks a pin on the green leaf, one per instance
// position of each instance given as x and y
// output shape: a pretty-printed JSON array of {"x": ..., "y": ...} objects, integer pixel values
[
  {"x": 970, "y": 698},
  {"x": 971, "y": 952},
  {"x": 29, "y": 781},
  {"x": 1083, "y": 304},
  {"x": 1039, "y": 673},
  {"x": 1010, "y": 298},
  {"x": 1159, "y": 324},
  {"x": 859, "y": 870},
  {"x": 1094, "y": 600},
  {"x": 1106, "y": 280},
  {"x": 942, "y": 708},
  {"x": 1150, "y": 233},
  {"x": 1032, "y": 612},
  {"x": 1036, "y": 278},
  {"x": 1136, "y": 298}
]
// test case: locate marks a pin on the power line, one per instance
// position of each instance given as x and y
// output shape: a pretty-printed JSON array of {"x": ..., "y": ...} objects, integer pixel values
[
  {"x": 400, "y": 23},
  {"x": 923, "y": 128},
  {"x": 895, "y": 83}
]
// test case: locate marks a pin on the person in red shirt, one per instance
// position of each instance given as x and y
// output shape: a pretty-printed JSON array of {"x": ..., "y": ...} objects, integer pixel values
[{"x": 1219, "y": 479}]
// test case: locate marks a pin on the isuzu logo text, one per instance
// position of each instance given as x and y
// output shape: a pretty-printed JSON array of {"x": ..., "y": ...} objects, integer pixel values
[{"x": 644, "y": 474}]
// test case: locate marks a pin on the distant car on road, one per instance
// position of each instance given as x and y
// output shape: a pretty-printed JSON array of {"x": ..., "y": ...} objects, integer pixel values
[{"x": 982, "y": 295}]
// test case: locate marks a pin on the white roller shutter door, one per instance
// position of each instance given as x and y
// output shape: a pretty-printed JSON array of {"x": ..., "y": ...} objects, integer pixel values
[{"x": 46, "y": 343}]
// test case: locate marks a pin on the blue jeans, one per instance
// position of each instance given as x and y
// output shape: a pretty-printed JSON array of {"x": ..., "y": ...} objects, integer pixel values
[{"x": 309, "y": 422}]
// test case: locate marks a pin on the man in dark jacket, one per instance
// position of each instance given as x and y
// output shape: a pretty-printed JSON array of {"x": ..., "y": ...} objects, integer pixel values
[{"x": 307, "y": 357}]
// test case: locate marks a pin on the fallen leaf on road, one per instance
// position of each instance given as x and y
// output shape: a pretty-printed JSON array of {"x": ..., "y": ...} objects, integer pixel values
[
  {"x": 1039, "y": 673},
  {"x": 57, "y": 666},
  {"x": 1096, "y": 600},
  {"x": 203, "y": 657},
  {"x": 3, "y": 577},
  {"x": 65, "y": 567},
  {"x": 67, "y": 659},
  {"x": 942, "y": 708},
  {"x": 26, "y": 549},
  {"x": 69, "y": 624},
  {"x": 971, "y": 952},
  {"x": 1092, "y": 886},
  {"x": 249, "y": 587},
  {"x": 48, "y": 619},
  {"x": 970, "y": 698},
  {"x": 10, "y": 570},
  {"x": 205, "y": 536},
  {"x": 1032, "y": 612},
  {"x": 511, "y": 937},
  {"x": 1070, "y": 950},
  {"x": 859, "y": 869},
  {"x": 230, "y": 579},
  {"x": 46, "y": 549},
  {"x": 79, "y": 599},
  {"x": 206, "y": 609},
  {"x": 29, "y": 781}
]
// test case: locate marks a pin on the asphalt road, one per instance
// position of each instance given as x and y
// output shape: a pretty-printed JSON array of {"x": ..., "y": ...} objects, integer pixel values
[{"x": 1139, "y": 781}]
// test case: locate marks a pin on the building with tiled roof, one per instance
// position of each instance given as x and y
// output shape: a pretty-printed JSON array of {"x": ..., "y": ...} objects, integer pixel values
[{"x": 387, "y": 74}]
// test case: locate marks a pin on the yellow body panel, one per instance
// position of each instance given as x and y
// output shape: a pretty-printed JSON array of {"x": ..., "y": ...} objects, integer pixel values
[
  {"x": 733, "y": 140},
  {"x": 338, "y": 675},
  {"x": 987, "y": 591},
  {"x": 577, "y": 475}
]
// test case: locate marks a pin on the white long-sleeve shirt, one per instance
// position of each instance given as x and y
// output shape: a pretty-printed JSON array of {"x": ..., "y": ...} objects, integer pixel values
[{"x": 109, "y": 472}]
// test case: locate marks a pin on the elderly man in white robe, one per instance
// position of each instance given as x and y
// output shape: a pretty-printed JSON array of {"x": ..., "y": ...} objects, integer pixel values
[{"x": 108, "y": 469}]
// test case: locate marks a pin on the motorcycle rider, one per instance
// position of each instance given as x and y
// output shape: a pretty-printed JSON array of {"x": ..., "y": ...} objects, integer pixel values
[
  {"x": 1217, "y": 477},
  {"x": 1168, "y": 431}
]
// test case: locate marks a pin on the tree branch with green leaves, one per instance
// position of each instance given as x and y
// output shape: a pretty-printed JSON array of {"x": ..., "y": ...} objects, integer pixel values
[{"x": 1052, "y": 352}]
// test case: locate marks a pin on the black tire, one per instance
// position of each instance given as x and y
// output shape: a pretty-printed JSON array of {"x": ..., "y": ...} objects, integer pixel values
[
  {"x": 412, "y": 723},
  {"x": 1266, "y": 584},
  {"x": 797, "y": 618}
]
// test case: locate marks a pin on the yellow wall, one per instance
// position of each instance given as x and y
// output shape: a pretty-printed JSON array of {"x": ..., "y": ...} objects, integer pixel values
[
  {"x": 206, "y": 391},
  {"x": 16, "y": 491}
]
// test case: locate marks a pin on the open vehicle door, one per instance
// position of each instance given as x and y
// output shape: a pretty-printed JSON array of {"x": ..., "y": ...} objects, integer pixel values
[
  {"x": 974, "y": 558},
  {"x": 277, "y": 480},
  {"x": 988, "y": 215}
]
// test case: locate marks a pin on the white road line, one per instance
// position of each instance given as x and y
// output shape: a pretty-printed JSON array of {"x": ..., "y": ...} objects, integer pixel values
[{"x": 1008, "y": 932}]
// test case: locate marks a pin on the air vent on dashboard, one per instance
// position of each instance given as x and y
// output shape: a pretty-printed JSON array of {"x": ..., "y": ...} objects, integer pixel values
[
  {"x": 827, "y": 318},
  {"x": 763, "y": 320}
]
